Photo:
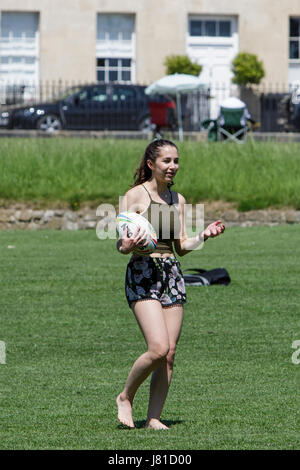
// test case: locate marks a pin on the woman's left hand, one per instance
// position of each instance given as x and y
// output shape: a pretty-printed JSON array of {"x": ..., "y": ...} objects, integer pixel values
[{"x": 213, "y": 230}]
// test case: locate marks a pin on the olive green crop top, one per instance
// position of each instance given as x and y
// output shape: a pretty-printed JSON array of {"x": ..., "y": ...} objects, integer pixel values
[{"x": 166, "y": 222}]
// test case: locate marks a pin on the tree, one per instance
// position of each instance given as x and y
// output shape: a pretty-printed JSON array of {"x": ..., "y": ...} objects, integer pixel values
[
  {"x": 247, "y": 69},
  {"x": 181, "y": 64}
]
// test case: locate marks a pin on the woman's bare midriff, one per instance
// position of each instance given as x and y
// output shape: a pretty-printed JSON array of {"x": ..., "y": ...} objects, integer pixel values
[{"x": 156, "y": 255}]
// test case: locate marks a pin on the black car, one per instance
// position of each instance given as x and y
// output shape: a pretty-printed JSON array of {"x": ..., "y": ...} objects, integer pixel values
[{"x": 94, "y": 107}]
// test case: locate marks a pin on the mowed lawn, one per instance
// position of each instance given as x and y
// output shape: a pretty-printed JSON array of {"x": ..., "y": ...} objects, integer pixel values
[{"x": 71, "y": 340}]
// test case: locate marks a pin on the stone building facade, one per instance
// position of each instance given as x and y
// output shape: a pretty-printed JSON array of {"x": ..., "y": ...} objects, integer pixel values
[{"x": 128, "y": 40}]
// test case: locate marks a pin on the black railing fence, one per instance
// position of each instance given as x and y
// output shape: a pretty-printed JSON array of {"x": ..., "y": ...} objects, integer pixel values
[{"x": 274, "y": 108}]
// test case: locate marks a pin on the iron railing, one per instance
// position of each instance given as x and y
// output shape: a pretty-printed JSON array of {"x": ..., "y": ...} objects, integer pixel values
[
  {"x": 113, "y": 110},
  {"x": 274, "y": 108}
]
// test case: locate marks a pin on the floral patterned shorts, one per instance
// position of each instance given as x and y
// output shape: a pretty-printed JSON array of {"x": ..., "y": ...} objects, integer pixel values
[{"x": 155, "y": 278}]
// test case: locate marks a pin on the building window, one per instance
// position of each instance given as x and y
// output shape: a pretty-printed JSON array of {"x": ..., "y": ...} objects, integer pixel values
[
  {"x": 19, "y": 45},
  {"x": 115, "y": 27},
  {"x": 212, "y": 41},
  {"x": 294, "y": 38},
  {"x": 115, "y": 48},
  {"x": 113, "y": 70},
  {"x": 210, "y": 28}
]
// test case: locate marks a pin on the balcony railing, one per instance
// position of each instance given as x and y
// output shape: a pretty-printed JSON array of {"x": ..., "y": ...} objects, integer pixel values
[
  {"x": 115, "y": 48},
  {"x": 11, "y": 46}
]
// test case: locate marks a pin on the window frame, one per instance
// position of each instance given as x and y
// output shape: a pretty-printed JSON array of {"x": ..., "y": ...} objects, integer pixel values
[
  {"x": 121, "y": 37},
  {"x": 216, "y": 19},
  {"x": 21, "y": 62},
  {"x": 119, "y": 68},
  {"x": 121, "y": 48},
  {"x": 294, "y": 38}
]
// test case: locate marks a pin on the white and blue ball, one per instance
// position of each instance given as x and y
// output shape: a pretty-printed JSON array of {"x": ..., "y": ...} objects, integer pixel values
[{"x": 131, "y": 221}]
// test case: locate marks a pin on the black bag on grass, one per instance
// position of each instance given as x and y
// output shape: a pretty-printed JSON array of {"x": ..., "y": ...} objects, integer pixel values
[{"x": 201, "y": 277}]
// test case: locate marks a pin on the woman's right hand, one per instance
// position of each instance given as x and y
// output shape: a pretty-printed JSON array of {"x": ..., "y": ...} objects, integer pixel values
[{"x": 129, "y": 243}]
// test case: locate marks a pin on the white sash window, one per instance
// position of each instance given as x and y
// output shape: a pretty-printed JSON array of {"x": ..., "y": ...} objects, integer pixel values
[
  {"x": 115, "y": 48},
  {"x": 19, "y": 47},
  {"x": 212, "y": 41},
  {"x": 294, "y": 51}
]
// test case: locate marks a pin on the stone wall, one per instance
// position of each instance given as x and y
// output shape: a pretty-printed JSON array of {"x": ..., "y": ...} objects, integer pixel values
[
  {"x": 60, "y": 219},
  {"x": 20, "y": 216},
  {"x": 201, "y": 136}
]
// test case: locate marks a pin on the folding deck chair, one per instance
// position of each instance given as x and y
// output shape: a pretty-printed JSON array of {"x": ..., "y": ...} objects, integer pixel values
[{"x": 232, "y": 123}]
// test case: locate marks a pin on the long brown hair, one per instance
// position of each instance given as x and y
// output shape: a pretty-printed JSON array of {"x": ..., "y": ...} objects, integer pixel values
[{"x": 143, "y": 172}]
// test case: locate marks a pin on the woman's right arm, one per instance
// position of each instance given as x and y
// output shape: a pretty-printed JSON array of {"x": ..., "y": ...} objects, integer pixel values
[
  {"x": 130, "y": 203},
  {"x": 127, "y": 244}
]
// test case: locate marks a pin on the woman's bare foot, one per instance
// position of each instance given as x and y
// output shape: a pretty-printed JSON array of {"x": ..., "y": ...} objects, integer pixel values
[
  {"x": 124, "y": 411},
  {"x": 154, "y": 423}
]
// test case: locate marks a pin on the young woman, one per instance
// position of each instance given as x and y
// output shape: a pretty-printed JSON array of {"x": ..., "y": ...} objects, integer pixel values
[{"x": 154, "y": 287}]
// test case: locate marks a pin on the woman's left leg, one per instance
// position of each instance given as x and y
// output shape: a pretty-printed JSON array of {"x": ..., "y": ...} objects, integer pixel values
[{"x": 161, "y": 377}]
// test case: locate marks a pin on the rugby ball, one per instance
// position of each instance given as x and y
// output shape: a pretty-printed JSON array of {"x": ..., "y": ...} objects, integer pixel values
[{"x": 131, "y": 221}]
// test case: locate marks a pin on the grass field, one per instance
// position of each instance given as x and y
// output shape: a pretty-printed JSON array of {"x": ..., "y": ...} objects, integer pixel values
[
  {"x": 255, "y": 175},
  {"x": 71, "y": 339}
]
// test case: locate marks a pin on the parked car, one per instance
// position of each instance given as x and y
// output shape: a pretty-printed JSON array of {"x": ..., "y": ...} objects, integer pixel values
[{"x": 98, "y": 107}]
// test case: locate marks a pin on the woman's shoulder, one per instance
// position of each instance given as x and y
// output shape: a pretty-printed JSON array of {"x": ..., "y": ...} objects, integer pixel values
[
  {"x": 135, "y": 199},
  {"x": 135, "y": 192}
]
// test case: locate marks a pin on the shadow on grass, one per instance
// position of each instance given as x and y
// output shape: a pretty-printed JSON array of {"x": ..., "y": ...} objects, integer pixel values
[{"x": 141, "y": 424}]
